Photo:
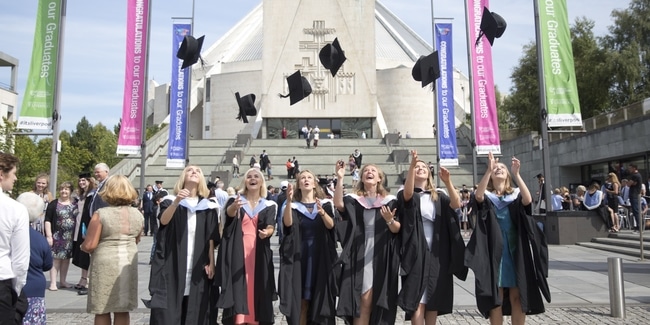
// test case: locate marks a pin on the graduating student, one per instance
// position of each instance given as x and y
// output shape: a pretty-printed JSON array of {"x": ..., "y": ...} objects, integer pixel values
[
  {"x": 432, "y": 247},
  {"x": 245, "y": 261},
  {"x": 370, "y": 256},
  {"x": 183, "y": 265},
  {"x": 507, "y": 250},
  {"x": 307, "y": 284}
]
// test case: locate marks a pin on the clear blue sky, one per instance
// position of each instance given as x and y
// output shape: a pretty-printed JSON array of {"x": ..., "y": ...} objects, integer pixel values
[{"x": 93, "y": 64}]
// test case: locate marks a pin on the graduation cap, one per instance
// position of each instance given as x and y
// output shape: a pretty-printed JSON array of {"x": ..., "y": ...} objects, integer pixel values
[
  {"x": 211, "y": 185},
  {"x": 492, "y": 26},
  {"x": 159, "y": 182},
  {"x": 538, "y": 176},
  {"x": 246, "y": 106},
  {"x": 332, "y": 56},
  {"x": 426, "y": 69},
  {"x": 299, "y": 88},
  {"x": 190, "y": 50},
  {"x": 85, "y": 175}
]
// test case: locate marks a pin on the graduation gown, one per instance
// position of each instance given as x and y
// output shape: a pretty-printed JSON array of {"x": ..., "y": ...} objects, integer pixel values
[
  {"x": 231, "y": 272},
  {"x": 169, "y": 265},
  {"x": 483, "y": 256},
  {"x": 322, "y": 307},
  {"x": 431, "y": 268},
  {"x": 385, "y": 263},
  {"x": 80, "y": 258}
]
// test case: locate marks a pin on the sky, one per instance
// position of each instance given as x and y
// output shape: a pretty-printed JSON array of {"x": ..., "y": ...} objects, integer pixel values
[{"x": 95, "y": 37}]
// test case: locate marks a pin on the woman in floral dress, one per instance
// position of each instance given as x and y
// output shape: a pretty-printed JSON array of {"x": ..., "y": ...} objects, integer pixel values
[{"x": 60, "y": 219}]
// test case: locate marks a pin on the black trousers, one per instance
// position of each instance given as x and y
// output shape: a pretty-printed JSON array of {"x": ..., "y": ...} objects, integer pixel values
[{"x": 8, "y": 299}]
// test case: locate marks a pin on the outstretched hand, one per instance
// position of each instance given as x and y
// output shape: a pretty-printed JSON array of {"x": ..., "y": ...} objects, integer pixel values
[
  {"x": 492, "y": 162},
  {"x": 340, "y": 169},
  {"x": 444, "y": 174},
  {"x": 414, "y": 158},
  {"x": 516, "y": 165}
]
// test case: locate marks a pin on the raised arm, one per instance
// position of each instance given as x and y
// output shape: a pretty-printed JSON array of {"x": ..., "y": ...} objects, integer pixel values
[
  {"x": 454, "y": 198},
  {"x": 287, "y": 220},
  {"x": 482, "y": 185},
  {"x": 410, "y": 177},
  {"x": 338, "y": 191},
  {"x": 526, "y": 198}
]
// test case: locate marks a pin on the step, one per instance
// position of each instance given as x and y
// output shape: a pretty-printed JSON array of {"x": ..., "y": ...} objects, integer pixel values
[
  {"x": 629, "y": 243},
  {"x": 627, "y": 234},
  {"x": 614, "y": 249}
]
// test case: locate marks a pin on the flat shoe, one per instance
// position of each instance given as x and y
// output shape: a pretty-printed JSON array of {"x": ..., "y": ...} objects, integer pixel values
[
  {"x": 78, "y": 286},
  {"x": 55, "y": 289}
]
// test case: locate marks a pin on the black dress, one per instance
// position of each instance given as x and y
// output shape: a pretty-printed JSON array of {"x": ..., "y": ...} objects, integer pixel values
[
  {"x": 307, "y": 266},
  {"x": 79, "y": 258},
  {"x": 429, "y": 267},
  {"x": 169, "y": 266},
  {"x": 385, "y": 261}
]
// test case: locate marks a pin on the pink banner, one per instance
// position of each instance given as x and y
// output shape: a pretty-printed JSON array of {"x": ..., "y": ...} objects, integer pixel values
[
  {"x": 486, "y": 124},
  {"x": 135, "y": 84}
]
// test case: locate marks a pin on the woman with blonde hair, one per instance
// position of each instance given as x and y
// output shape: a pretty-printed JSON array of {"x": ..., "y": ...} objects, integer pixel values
[
  {"x": 111, "y": 241},
  {"x": 245, "y": 261},
  {"x": 433, "y": 249},
  {"x": 612, "y": 188},
  {"x": 507, "y": 251},
  {"x": 307, "y": 284},
  {"x": 41, "y": 187},
  {"x": 182, "y": 268},
  {"x": 60, "y": 219},
  {"x": 368, "y": 289}
]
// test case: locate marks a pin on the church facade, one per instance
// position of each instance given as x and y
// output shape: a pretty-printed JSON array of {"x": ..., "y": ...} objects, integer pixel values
[{"x": 372, "y": 93}]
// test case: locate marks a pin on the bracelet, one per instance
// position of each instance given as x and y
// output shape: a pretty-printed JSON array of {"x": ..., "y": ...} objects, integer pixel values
[{"x": 392, "y": 221}]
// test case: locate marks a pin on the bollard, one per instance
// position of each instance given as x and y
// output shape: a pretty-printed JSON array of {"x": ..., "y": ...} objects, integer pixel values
[{"x": 616, "y": 287}]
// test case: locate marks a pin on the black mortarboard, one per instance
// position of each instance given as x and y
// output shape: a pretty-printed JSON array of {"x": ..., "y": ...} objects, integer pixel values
[
  {"x": 246, "y": 106},
  {"x": 492, "y": 26},
  {"x": 299, "y": 88},
  {"x": 332, "y": 56},
  {"x": 538, "y": 176},
  {"x": 426, "y": 69},
  {"x": 211, "y": 185},
  {"x": 159, "y": 182},
  {"x": 190, "y": 50},
  {"x": 85, "y": 175}
]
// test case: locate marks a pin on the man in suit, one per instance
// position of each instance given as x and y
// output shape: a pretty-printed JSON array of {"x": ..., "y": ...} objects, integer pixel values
[{"x": 147, "y": 207}]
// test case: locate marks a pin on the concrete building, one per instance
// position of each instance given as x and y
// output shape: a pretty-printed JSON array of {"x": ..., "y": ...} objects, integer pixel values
[
  {"x": 8, "y": 94},
  {"x": 373, "y": 92}
]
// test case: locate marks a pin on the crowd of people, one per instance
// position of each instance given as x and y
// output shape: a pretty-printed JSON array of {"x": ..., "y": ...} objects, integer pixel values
[{"x": 212, "y": 254}]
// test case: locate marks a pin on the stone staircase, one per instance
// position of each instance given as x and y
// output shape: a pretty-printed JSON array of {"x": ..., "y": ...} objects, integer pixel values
[{"x": 623, "y": 242}]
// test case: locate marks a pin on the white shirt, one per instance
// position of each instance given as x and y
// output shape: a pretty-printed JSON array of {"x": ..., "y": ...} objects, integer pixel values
[
  {"x": 14, "y": 242},
  {"x": 191, "y": 234}
]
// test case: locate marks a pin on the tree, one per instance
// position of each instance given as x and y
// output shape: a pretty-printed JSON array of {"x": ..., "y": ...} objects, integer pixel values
[
  {"x": 7, "y": 128},
  {"x": 629, "y": 41},
  {"x": 593, "y": 70}
]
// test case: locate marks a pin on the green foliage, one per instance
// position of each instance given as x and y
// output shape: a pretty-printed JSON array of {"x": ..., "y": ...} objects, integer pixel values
[
  {"x": 629, "y": 48},
  {"x": 7, "y": 128}
]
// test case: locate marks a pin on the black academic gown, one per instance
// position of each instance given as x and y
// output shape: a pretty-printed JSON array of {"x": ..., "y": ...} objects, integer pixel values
[
  {"x": 385, "y": 264},
  {"x": 322, "y": 307},
  {"x": 80, "y": 258},
  {"x": 483, "y": 256},
  {"x": 169, "y": 266},
  {"x": 431, "y": 268},
  {"x": 231, "y": 272}
]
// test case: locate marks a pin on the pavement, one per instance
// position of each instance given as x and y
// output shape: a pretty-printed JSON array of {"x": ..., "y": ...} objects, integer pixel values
[{"x": 578, "y": 281}]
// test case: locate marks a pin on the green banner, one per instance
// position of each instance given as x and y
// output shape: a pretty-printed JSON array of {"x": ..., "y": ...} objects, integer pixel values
[
  {"x": 38, "y": 99},
  {"x": 562, "y": 101}
]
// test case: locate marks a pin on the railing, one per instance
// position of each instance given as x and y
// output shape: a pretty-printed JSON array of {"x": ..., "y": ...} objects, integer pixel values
[{"x": 130, "y": 166}]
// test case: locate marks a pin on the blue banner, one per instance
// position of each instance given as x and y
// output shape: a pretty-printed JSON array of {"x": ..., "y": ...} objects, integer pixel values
[
  {"x": 448, "y": 150},
  {"x": 178, "y": 102}
]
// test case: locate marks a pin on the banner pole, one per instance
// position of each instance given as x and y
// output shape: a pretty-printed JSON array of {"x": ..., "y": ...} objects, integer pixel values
[
  {"x": 544, "y": 145},
  {"x": 436, "y": 131},
  {"x": 143, "y": 131},
  {"x": 471, "y": 94},
  {"x": 54, "y": 163},
  {"x": 189, "y": 99}
]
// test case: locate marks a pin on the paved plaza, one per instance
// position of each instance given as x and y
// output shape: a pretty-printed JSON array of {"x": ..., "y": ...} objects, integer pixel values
[{"x": 577, "y": 277}]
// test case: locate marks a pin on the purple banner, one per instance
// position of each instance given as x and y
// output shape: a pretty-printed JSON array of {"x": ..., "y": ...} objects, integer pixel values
[
  {"x": 445, "y": 95},
  {"x": 135, "y": 85},
  {"x": 486, "y": 123},
  {"x": 178, "y": 102}
]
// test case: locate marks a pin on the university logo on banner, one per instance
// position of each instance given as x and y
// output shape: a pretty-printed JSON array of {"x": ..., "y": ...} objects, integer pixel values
[
  {"x": 562, "y": 102},
  {"x": 178, "y": 102},
  {"x": 38, "y": 101},
  {"x": 135, "y": 84},
  {"x": 445, "y": 93},
  {"x": 486, "y": 123}
]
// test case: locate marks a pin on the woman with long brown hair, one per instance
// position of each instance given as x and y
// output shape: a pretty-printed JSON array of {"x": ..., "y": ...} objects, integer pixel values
[
  {"x": 307, "y": 285},
  {"x": 370, "y": 249},
  {"x": 85, "y": 190},
  {"x": 433, "y": 249}
]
